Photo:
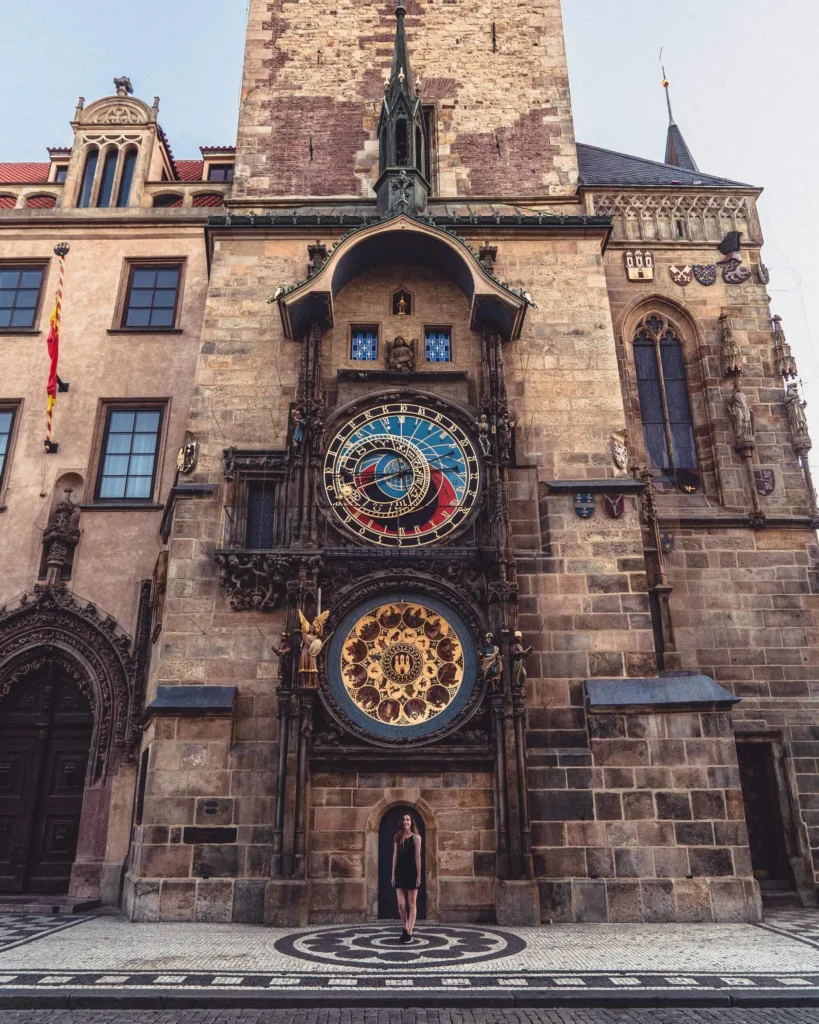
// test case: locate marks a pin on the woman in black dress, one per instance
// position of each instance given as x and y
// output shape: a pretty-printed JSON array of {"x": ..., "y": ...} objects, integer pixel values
[{"x": 406, "y": 873}]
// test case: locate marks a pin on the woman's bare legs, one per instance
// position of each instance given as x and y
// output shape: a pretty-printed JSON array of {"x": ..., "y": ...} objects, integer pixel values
[
  {"x": 412, "y": 909},
  {"x": 402, "y": 906}
]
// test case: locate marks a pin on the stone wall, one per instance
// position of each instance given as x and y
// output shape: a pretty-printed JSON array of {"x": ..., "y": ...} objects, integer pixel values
[{"x": 313, "y": 85}]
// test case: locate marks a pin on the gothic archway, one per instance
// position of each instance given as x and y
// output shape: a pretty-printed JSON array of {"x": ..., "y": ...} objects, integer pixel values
[{"x": 53, "y": 628}]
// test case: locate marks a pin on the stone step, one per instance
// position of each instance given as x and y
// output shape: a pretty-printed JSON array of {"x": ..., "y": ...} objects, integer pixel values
[{"x": 42, "y": 903}]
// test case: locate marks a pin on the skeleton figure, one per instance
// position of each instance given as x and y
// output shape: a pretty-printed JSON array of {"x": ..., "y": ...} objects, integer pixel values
[
  {"x": 312, "y": 644},
  {"x": 483, "y": 435}
]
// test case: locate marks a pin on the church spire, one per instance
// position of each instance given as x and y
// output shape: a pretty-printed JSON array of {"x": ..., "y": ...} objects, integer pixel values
[
  {"x": 676, "y": 149},
  {"x": 402, "y": 186}
]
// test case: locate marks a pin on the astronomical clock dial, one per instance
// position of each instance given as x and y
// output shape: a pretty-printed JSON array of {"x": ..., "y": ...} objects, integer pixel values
[
  {"x": 402, "y": 668},
  {"x": 402, "y": 475}
]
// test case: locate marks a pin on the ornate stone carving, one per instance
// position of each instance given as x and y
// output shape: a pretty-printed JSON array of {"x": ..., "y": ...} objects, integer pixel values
[
  {"x": 317, "y": 255},
  {"x": 401, "y": 355},
  {"x": 53, "y": 627},
  {"x": 117, "y": 115},
  {"x": 649, "y": 216},
  {"x": 250, "y": 462},
  {"x": 800, "y": 434},
  {"x": 254, "y": 581},
  {"x": 785, "y": 363},
  {"x": 60, "y": 538},
  {"x": 487, "y": 255},
  {"x": 742, "y": 420},
  {"x": 730, "y": 353}
]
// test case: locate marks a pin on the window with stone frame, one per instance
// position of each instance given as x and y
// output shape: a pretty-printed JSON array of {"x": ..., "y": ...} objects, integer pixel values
[
  {"x": 438, "y": 344},
  {"x": 152, "y": 296},
  {"x": 8, "y": 415},
  {"x": 665, "y": 404},
  {"x": 21, "y": 288},
  {"x": 364, "y": 342},
  {"x": 220, "y": 172},
  {"x": 130, "y": 453}
]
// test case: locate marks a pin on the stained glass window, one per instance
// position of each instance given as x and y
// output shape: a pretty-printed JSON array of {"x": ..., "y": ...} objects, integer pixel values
[
  {"x": 438, "y": 345},
  {"x": 365, "y": 343}
]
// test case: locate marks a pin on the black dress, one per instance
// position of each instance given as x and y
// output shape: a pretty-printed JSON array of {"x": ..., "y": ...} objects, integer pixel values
[{"x": 406, "y": 871}]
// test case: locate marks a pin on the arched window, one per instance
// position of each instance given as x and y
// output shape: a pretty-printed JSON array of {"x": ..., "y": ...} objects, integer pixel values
[
  {"x": 665, "y": 407},
  {"x": 401, "y": 144},
  {"x": 109, "y": 169},
  {"x": 127, "y": 177},
  {"x": 209, "y": 199},
  {"x": 168, "y": 199},
  {"x": 419, "y": 150},
  {"x": 87, "y": 184},
  {"x": 43, "y": 202}
]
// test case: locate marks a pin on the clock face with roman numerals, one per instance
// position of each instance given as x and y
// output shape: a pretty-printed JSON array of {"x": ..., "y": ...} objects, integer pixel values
[{"x": 402, "y": 475}]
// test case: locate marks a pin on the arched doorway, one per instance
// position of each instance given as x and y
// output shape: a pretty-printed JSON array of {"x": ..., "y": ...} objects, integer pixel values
[
  {"x": 46, "y": 726},
  {"x": 388, "y": 826}
]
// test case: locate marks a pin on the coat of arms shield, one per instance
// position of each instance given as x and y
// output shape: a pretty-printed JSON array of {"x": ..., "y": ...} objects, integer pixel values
[
  {"x": 584, "y": 505},
  {"x": 614, "y": 505},
  {"x": 765, "y": 481},
  {"x": 681, "y": 275},
  {"x": 705, "y": 273}
]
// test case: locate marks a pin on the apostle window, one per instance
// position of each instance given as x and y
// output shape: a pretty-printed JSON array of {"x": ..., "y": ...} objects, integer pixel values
[
  {"x": 20, "y": 288},
  {"x": 129, "y": 454},
  {"x": 152, "y": 298},
  {"x": 364, "y": 343},
  {"x": 665, "y": 406},
  {"x": 438, "y": 344}
]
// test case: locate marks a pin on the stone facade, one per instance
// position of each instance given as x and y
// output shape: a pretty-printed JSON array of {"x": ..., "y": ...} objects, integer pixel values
[{"x": 263, "y": 793}]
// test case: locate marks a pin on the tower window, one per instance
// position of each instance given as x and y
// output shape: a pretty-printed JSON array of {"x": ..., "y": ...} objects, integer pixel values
[
  {"x": 87, "y": 185},
  {"x": 438, "y": 344},
  {"x": 220, "y": 172},
  {"x": 127, "y": 177},
  {"x": 364, "y": 344},
  {"x": 61, "y": 173},
  {"x": 109, "y": 169},
  {"x": 665, "y": 406},
  {"x": 260, "y": 529},
  {"x": 429, "y": 138},
  {"x": 401, "y": 144}
]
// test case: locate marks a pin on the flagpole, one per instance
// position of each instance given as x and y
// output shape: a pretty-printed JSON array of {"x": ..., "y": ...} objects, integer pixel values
[{"x": 53, "y": 343}]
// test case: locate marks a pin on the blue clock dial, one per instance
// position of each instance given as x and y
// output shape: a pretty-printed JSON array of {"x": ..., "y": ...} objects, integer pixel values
[{"x": 402, "y": 475}]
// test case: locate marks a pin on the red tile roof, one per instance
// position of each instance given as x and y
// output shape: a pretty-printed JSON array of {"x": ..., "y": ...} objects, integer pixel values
[
  {"x": 190, "y": 170},
  {"x": 41, "y": 202},
  {"x": 23, "y": 174},
  {"x": 8, "y": 202},
  {"x": 209, "y": 199}
]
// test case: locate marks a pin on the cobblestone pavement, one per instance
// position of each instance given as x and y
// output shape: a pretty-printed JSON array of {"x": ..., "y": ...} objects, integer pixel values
[
  {"x": 84, "y": 961},
  {"x": 411, "y": 1016}
]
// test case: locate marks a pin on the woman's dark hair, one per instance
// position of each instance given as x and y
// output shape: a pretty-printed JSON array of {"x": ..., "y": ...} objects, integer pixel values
[{"x": 399, "y": 835}]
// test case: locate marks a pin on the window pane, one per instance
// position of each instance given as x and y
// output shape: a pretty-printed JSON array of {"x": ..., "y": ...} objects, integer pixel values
[
  {"x": 9, "y": 278},
  {"x": 438, "y": 347},
  {"x": 31, "y": 279},
  {"x": 143, "y": 278},
  {"x": 7, "y": 298},
  {"x": 127, "y": 177},
  {"x": 167, "y": 278},
  {"x": 109, "y": 168},
  {"x": 364, "y": 345},
  {"x": 22, "y": 318},
  {"x": 138, "y": 318},
  {"x": 5, "y": 317},
  {"x": 140, "y": 297},
  {"x": 147, "y": 421},
  {"x": 679, "y": 404},
  {"x": 112, "y": 487},
  {"x": 141, "y": 465},
  {"x": 4, "y": 440},
  {"x": 260, "y": 529},
  {"x": 27, "y": 297},
  {"x": 88, "y": 178},
  {"x": 115, "y": 465},
  {"x": 165, "y": 297},
  {"x": 121, "y": 421},
  {"x": 162, "y": 318},
  {"x": 138, "y": 487},
  {"x": 5, "y": 422},
  {"x": 651, "y": 402},
  {"x": 118, "y": 443}
]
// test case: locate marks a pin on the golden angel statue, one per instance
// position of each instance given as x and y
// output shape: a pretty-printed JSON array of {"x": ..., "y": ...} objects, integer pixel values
[{"x": 312, "y": 644}]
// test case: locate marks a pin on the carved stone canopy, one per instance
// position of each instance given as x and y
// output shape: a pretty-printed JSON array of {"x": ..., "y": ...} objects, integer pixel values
[
  {"x": 406, "y": 240},
  {"x": 54, "y": 628}
]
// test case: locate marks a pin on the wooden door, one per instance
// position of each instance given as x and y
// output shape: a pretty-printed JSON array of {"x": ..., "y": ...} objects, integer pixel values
[
  {"x": 387, "y": 900},
  {"x": 45, "y": 735}
]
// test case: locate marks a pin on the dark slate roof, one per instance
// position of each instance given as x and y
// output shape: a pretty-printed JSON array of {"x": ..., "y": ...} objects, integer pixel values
[
  {"x": 605, "y": 167},
  {"x": 677, "y": 151}
]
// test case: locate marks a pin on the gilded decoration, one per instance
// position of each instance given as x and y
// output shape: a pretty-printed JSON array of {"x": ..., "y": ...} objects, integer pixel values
[{"x": 402, "y": 664}]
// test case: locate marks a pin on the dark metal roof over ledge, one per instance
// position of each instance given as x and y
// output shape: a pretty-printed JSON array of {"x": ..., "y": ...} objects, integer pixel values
[
  {"x": 186, "y": 701},
  {"x": 673, "y": 691},
  {"x": 607, "y": 167}
]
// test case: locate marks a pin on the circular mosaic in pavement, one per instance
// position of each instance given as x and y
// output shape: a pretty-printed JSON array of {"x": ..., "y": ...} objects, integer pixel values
[{"x": 433, "y": 945}]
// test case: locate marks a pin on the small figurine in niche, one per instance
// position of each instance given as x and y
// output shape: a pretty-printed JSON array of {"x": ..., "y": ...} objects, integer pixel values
[
  {"x": 519, "y": 654},
  {"x": 491, "y": 662},
  {"x": 741, "y": 415},
  {"x": 299, "y": 425},
  {"x": 312, "y": 644},
  {"x": 505, "y": 426},
  {"x": 796, "y": 415},
  {"x": 316, "y": 433},
  {"x": 483, "y": 435},
  {"x": 284, "y": 653},
  {"x": 401, "y": 355}
]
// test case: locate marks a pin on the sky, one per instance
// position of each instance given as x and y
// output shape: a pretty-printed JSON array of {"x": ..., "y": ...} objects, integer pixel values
[{"x": 743, "y": 84}]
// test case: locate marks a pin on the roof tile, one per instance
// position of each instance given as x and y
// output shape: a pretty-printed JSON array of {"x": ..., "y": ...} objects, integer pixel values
[
  {"x": 23, "y": 174},
  {"x": 606, "y": 167}
]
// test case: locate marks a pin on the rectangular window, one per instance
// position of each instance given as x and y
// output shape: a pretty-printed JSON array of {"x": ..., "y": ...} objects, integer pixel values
[
  {"x": 61, "y": 173},
  {"x": 20, "y": 289},
  {"x": 152, "y": 297},
  {"x": 438, "y": 344},
  {"x": 6, "y": 426},
  {"x": 364, "y": 343},
  {"x": 261, "y": 515},
  {"x": 129, "y": 453},
  {"x": 220, "y": 172}
]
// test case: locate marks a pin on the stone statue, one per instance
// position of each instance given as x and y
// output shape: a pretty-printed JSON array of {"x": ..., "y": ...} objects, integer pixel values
[
  {"x": 798, "y": 420},
  {"x": 491, "y": 663},
  {"x": 483, "y": 435},
  {"x": 730, "y": 351},
  {"x": 401, "y": 355},
  {"x": 519, "y": 654},
  {"x": 741, "y": 415},
  {"x": 316, "y": 433},
  {"x": 283, "y": 653},
  {"x": 123, "y": 86},
  {"x": 299, "y": 429},
  {"x": 505, "y": 426},
  {"x": 312, "y": 644}
]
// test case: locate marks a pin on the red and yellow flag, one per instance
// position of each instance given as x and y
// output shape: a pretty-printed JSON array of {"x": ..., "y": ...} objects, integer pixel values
[{"x": 53, "y": 344}]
